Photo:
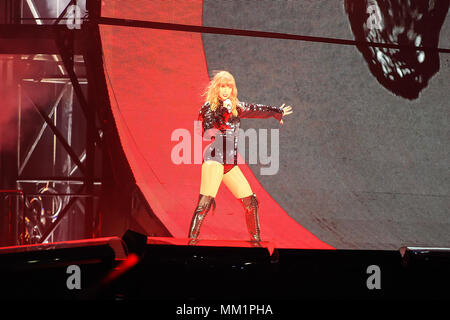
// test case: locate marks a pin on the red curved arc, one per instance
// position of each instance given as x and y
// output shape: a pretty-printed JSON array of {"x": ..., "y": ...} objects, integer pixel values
[{"x": 155, "y": 80}]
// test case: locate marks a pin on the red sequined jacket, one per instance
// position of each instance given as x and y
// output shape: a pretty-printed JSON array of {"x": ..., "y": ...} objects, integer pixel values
[{"x": 224, "y": 149}]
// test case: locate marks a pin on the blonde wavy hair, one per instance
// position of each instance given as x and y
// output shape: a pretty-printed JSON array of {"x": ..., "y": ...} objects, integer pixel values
[{"x": 212, "y": 91}]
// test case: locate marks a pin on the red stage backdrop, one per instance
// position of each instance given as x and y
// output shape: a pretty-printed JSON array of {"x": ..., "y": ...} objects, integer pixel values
[{"x": 155, "y": 81}]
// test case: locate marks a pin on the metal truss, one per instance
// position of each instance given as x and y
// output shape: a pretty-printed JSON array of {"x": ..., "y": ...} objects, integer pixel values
[
  {"x": 70, "y": 188},
  {"x": 69, "y": 163}
]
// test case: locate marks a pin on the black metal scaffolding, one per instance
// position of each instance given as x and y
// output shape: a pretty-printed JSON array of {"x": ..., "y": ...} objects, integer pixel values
[{"x": 58, "y": 160}]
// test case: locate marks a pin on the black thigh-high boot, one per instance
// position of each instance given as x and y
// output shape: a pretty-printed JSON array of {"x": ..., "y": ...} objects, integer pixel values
[
  {"x": 203, "y": 207},
  {"x": 250, "y": 204}
]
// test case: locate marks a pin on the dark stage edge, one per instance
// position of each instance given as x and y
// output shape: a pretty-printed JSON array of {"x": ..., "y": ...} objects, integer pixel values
[{"x": 135, "y": 267}]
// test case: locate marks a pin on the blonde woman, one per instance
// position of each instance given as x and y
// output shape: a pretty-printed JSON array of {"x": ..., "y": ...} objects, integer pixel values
[{"x": 220, "y": 116}]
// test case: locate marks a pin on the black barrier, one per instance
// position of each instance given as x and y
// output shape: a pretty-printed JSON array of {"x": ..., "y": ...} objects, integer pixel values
[
  {"x": 133, "y": 268},
  {"x": 63, "y": 270},
  {"x": 215, "y": 272}
]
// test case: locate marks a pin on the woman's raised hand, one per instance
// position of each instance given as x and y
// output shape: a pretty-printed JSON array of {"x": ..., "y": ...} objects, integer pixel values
[{"x": 286, "y": 110}]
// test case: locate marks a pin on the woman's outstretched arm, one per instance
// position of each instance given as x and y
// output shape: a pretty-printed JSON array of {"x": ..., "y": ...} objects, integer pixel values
[
  {"x": 208, "y": 119},
  {"x": 249, "y": 110},
  {"x": 256, "y": 110}
]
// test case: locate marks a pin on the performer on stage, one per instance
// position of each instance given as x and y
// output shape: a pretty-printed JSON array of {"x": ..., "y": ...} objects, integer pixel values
[{"x": 220, "y": 116}]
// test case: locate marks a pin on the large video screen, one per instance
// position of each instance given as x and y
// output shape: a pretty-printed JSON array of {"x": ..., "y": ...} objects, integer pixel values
[{"x": 363, "y": 160}]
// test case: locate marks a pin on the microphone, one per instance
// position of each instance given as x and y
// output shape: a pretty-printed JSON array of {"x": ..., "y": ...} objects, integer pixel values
[{"x": 227, "y": 104}]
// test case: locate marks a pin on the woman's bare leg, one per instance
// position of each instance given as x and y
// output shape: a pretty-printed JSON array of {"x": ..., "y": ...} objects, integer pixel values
[
  {"x": 237, "y": 183},
  {"x": 212, "y": 174}
]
